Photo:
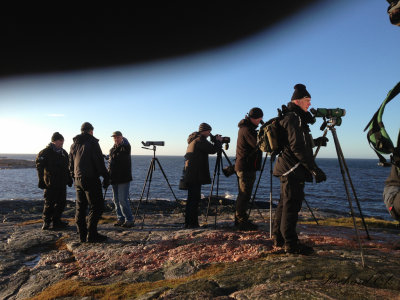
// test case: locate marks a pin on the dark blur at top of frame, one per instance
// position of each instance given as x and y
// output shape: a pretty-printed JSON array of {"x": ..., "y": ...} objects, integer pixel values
[{"x": 68, "y": 38}]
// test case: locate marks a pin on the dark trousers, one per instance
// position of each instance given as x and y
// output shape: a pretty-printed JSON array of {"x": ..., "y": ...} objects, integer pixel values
[
  {"x": 192, "y": 204},
  {"x": 54, "y": 204},
  {"x": 88, "y": 194},
  {"x": 246, "y": 182},
  {"x": 286, "y": 215}
]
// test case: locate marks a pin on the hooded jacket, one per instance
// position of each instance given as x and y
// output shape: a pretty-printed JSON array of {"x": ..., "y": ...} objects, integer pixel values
[
  {"x": 120, "y": 163},
  {"x": 297, "y": 155},
  {"x": 85, "y": 158},
  {"x": 52, "y": 167},
  {"x": 248, "y": 156},
  {"x": 196, "y": 158}
]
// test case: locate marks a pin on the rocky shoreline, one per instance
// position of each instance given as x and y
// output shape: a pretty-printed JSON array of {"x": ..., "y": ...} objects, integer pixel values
[
  {"x": 158, "y": 259},
  {"x": 9, "y": 163}
]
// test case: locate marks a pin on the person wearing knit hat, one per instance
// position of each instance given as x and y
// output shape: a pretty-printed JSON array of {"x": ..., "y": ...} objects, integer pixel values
[
  {"x": 52, "y": 168},
  {"x": 295, "y": 166},
  {"x": 248, "y": 161},
  {"x": 196, "y": 171}
]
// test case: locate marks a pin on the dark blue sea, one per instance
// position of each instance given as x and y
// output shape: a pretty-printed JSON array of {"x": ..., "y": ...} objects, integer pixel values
[{"x": 330, "y": 196}]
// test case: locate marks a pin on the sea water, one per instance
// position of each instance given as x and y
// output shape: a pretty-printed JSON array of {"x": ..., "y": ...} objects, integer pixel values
[{"x": 330, "y": 196}]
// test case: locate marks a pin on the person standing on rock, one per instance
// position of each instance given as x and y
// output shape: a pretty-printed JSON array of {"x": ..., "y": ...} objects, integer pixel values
[
  {"x": 248, "y": 161},
  {"x": 197, "y": 170},
  {"x": 120, "y": 169},
  {"x": 86, "y": 166},
  {"x": 295, "y": 166},
  {"x": 52, "y": 168}
]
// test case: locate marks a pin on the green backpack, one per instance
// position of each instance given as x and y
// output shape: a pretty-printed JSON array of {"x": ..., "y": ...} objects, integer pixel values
[
  {"x": 377, "y": 136},
  {"x": 271, "y": 136}
]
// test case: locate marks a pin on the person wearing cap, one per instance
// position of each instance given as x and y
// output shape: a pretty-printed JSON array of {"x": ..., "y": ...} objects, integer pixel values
[
  {"x": 120, "y": 170},
  {"x": 197, "y": 172},
  {"x": 52, "y": 168},
  {"x": 86, "y": 166},
  {"x": 248, "y": 161},
  {"x": 295, "y": 166}
]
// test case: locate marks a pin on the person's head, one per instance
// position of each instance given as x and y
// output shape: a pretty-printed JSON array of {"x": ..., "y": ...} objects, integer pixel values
[
  {"x": 87, "y": 128},
  {"x": 255, "y": 115},
  {"x": 117, "y": 136},
  {"x": 301, "y": 97},
  {"x": 57, "y": 139},
  {"x": 205, "y": 129}
]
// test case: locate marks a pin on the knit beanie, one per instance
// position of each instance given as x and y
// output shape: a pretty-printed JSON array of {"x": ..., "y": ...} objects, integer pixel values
[
  {"x": 256, "y": 113},
  {"x": 300, "y": 92},
  {"x": 86, "y": 127},
  {"x": 204, "y": 127},
  {"x": 56, "y": 137}
]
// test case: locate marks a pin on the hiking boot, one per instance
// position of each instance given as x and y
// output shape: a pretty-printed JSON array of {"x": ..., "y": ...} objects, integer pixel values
[
  {"x": 119, "y": 223},
  {"x": 46, "y": 226},
  {"x": 246, "y": 226},
  {"x": 298, "y": 248},
  {"x": 96, "y": 238},
  {"x": 128, "y": 224},
  {"x": 60, "y": 225},
  {"x": 278, "y": 241}
]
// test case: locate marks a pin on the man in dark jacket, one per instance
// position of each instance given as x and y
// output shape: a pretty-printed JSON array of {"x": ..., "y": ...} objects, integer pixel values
[
  {"x": 86, "y": 165},
  {"x": 197, "y": 170},
  {"x": 52, "y": 169},
  {"x": 294, "y": 166},
  {"x": 120, "y": 169},
  {"x": 391, "y": 193},
  {"x": 248, "y": 161}
]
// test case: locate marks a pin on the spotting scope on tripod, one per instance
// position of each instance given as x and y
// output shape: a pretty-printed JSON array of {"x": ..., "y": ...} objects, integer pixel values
[
  {"x": 333, "y": 117},
  {"x": 149, "y": 176}
]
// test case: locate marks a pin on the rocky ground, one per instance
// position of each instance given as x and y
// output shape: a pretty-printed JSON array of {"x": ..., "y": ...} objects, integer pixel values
[{"x": 158, "y": 259}]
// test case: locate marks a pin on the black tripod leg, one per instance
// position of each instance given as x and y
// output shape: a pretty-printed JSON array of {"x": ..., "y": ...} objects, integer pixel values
[
  {"x": 166, "y": 179},
  {"x": 144, "y": 188},
  {"x": 255, "y": 191},
  {"x": 315, "y": 219},
  {"x": 340, "y": 159},
  {"x": 211, "y": 190},
  {"x": 354, "y": 191},
  {"x": 152, "y": 166}
]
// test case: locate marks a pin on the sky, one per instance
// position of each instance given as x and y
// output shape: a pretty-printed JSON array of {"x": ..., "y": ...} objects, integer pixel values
[{"x": 345, "y": 52}]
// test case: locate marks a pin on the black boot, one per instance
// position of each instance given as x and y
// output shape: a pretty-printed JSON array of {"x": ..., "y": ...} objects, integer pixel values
[
  {"x": 96, "y": 238},
  {"x": 46, "y": 225},
  {"x": 58, "y": 224}
]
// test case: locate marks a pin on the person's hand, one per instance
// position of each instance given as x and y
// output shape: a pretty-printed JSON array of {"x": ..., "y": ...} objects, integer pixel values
[
  {"x": 70, "y": 182},
  {"x": 218, "y": 137},
  {"x": 41, "y": 184},
  {"x": 319, "y": 175},
  {"x": 322, "y": 140},
  {"x": 106, "y": 183}
]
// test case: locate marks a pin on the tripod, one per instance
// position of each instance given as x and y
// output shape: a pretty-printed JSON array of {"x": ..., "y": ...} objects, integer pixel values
[
  {"x": 345, "y": 171},
  {"x": 217, "y": 172},
  {"x": 149, "y": 177}
]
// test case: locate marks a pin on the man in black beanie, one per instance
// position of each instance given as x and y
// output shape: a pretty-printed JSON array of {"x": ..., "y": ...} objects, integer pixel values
[
  {"x": 197, "y": 170},
  {"x": 248, "y": 161},
  {"x": 52, "y": 168},
  {"x": 295, "y": 166},
  {"x": 86, "y": 166}
]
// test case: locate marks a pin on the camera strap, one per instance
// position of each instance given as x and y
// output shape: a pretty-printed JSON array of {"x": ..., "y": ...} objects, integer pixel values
[{"x": 377, "y": 136}]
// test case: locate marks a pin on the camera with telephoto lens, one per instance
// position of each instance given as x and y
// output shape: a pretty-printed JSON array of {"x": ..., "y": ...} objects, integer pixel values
[
  {"x": 328, "y": 112},
  {"x": 153, "y": 143},
  {"x": 225, "y": 139}
]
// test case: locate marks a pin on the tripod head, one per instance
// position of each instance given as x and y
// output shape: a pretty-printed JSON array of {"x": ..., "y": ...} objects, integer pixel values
[{"x": 154, "y": 144}]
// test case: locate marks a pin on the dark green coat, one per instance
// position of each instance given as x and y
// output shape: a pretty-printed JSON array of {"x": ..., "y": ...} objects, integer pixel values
[
  {"x": 196, "y": 159},
  {"x": 52, "y": 167}
]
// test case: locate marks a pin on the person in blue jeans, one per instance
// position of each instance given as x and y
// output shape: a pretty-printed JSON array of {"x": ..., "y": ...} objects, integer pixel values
[{"x": 120, "y": 169}]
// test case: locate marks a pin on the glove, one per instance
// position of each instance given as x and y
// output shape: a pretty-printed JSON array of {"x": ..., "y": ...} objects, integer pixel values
[
  {"x": 106, "y": 183},
  {"x": 41, "y": 184},
  {"x": 70, "y": 181},
  {"x": 322, "y": 140},
  {"x": 319, "y": 175}
]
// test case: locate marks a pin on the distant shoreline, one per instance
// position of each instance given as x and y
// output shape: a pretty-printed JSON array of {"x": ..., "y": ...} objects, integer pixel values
[{"x": 10, "y": 163}]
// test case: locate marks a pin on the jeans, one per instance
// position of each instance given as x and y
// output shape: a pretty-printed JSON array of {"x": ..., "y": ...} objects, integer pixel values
[
  {"x": 120, "y": 198},
  {"x": 246, "y": 182}
]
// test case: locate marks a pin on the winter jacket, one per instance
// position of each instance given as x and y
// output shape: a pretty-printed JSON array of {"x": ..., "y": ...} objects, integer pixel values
[
  {"x": 196, "y": 158},
  {"x": 120, "y": 163},
  {"x": 394, "y": 177},
  {"x": 86, "y": 159},
  {"x": 297, "y": 156},
  {"x": 248, "y": 156},
  {"x": 52, "y": 167}
]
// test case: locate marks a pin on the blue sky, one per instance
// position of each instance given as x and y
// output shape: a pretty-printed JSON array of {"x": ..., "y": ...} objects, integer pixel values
[{"x": 344, "y": 52}]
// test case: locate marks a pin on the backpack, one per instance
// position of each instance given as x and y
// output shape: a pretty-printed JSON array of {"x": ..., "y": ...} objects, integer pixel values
[
  {"x": 271, "y": 136},
  {"x": 377, "y": 136}
]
